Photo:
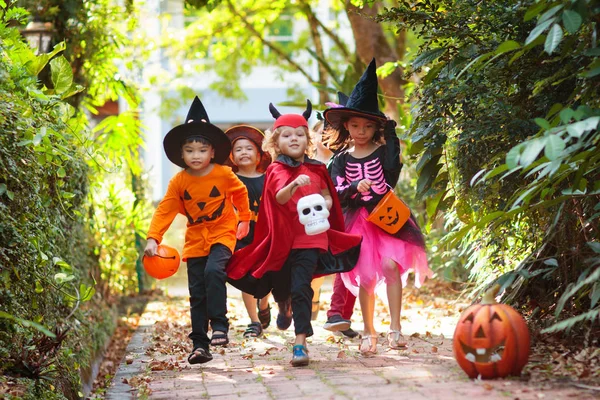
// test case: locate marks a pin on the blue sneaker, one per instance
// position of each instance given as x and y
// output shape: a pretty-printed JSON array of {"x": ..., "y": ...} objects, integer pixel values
[{"x": 299, "y": 356}]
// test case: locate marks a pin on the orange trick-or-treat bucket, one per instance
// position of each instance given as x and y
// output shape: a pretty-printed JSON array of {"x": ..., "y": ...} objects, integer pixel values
[
  {"x": 164, "y": 264},
  {"x": 390, "y": 214}
]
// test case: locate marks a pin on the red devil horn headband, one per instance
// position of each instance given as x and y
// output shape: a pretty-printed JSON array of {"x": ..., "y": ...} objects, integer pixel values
[{"x": 291, "y": 120}]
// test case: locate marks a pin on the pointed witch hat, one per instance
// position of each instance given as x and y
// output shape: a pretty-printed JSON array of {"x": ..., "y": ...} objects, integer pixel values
[
  {"x": 362, "y": 102},
  {"x": 196, "y": 124},
  {"x": 255, "y": 136},
  {"x": 292, "y": 120}
]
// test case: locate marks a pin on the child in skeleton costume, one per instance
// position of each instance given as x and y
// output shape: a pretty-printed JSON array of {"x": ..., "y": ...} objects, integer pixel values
[
  {"x": 206, "y": 193},
  {"x": 363, "y": 174},
  {"x": 285, "y": 255},
  {"x": 249, "y": 162}
]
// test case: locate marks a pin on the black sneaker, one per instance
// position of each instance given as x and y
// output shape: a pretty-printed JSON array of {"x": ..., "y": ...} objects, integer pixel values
[
  {"x": 351, "y": 333},
  {"x": 284, "y": 318},
  {"x": 337, "y": 323}
]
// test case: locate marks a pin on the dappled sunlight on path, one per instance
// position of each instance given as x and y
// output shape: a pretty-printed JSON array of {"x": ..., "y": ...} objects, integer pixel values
[{"x": 156, "y": 363}]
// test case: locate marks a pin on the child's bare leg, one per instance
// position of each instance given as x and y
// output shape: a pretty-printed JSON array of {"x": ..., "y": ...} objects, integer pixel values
[
  {"x": 250, "y": 303},
  {"x": 394, "y": 293},
  {"x": 301, "y": 339},
  {"x": 367, "y": 305},
  {"x": 264, "y": 302}
]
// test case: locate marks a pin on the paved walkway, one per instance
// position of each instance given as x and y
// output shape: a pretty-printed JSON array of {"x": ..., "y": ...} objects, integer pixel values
[{"x": 155, "y": 366}]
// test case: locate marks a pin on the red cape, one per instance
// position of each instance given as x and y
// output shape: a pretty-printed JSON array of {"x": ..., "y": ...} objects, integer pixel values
[{"x": 273, "y": 235}]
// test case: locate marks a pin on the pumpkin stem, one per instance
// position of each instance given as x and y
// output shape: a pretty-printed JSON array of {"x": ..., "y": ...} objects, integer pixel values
[{"x": 489, "y": 296}]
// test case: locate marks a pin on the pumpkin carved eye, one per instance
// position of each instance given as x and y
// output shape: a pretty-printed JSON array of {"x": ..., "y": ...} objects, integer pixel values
[
  {"x": 469, "y": 318},
  {"x": 495, "y": 316}
]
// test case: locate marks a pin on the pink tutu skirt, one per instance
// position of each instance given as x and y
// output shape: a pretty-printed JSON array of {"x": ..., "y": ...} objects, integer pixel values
[{"x": 406, "y": 249}]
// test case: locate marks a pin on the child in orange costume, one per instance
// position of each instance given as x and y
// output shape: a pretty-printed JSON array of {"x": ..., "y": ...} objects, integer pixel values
[{"x": 205, "y": 192}]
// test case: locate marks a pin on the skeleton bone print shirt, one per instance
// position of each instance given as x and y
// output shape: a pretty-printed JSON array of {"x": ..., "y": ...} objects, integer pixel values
[{"x": 382, "y": 167}]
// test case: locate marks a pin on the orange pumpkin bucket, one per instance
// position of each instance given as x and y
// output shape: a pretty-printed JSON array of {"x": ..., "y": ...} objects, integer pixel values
[
  {"x": 164, "y": 264},
  {"x": 390, "y": 214}
]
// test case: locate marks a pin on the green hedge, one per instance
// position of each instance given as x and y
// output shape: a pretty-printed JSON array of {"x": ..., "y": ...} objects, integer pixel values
[{"x": 47, "y": 332}]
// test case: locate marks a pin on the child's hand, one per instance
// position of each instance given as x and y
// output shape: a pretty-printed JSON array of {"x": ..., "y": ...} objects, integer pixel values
[
  {"x": 364, "y": 185},
  {"x": 242, "y": 230},
  {"x": 151, "y": 247},
  {"x": 302, "y": 180}
]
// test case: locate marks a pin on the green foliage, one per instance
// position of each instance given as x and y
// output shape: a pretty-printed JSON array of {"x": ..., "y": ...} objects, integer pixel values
[
  {"x": 57, "y": 250},
  {"x": 506, "y": 135}
]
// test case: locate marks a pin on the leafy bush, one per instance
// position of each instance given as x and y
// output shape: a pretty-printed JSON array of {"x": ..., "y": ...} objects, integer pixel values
[
  {"x": 506, "y": 133},
  {"x": 63, "y": 236}
]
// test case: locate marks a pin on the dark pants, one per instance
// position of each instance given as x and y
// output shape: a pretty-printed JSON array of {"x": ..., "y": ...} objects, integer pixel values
[
  {"x": 208, "y": 294},
  {"x": 294, "y": 279},
  {"x": 342, "y": 301}
]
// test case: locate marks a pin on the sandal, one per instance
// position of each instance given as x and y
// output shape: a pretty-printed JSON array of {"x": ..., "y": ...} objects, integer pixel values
[
  {"x": 219, "y": 339},
  {"x": 254, "y": 330},
  {"x": 264, "y": 316},
  {"x": 199, "y": 356},
  {"x": 367, "y": 347},
  {"x": 396, "y": 340}
]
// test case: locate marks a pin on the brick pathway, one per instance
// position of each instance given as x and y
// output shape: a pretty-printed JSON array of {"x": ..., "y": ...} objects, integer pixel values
[{"x": 156, "y": 366}]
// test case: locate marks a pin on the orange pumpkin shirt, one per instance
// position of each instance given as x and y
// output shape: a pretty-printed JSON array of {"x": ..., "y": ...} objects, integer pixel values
[{"x": 207, "y": 202}]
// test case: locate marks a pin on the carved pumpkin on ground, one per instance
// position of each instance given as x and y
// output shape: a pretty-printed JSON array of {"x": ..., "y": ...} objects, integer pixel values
[
  {"x": 164, "y": 264},
  {"x": 390, "y": 214},
  {"x": 491, "y": 340}
]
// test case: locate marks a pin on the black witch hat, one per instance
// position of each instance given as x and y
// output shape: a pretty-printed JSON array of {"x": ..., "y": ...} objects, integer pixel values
[
  {"x": 196, "y": 124},
  {"x": 362, "y": 102}
]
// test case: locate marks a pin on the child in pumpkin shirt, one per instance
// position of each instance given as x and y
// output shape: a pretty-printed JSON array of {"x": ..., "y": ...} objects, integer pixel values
[
  {"x": 249, "y": 163},
  {"x": 205, "y": 192}
]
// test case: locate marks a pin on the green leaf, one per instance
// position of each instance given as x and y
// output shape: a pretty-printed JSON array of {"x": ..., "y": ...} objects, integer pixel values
[
  {"x": 62, "y": 74},
  {"x": 591, "y": 73},
  {"x": 28, "y": 323},
  {"x": 553, "y": 39},
  {"x": 507, "y": 46},
  {"x": 38, "y": 287},
  {"x": 552, "y": 262},
  {"x": 549, "y": 13},
  {"x": 61, "y": 172},
  {"x": 594, "y": 52},
  {"x": 427, "y": 57},
  {"x": 571, "y": 20},
  {"x": 61, "y": 278},
  {"x": 10, "y": 195},
  {"x": 537, "y": 31},
  {"x": 554, "y": 147},
  {"x": 566, "y": 115},
  {"x": 2, "y": 188},
  {"x": 542, "y": 123},
  {"x": 531, "y": 151},
  {"x": 513, "y": 156},
  {"x": 534, "y": 10},
  {"x": 86, "y": 292},
  {"x": 578, "y": 128},
  {"x": 594, "y": 246},
  {"x": 595, "y": 294}
]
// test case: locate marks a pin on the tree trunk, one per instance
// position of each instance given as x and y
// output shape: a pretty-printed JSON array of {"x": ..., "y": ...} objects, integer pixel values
[
  {"x": 371, "y": 42},
  {"x": 313, "y": 24}
]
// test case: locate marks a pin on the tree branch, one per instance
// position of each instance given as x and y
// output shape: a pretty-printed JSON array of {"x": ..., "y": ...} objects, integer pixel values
[
  {"x": 313, "y": 23},
  {"x": 270, "y": 45},
  {"x": 336, "y": 39}
]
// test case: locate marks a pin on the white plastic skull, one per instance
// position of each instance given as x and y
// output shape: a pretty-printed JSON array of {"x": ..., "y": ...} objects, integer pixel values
[{"x": 313, "y": 214}]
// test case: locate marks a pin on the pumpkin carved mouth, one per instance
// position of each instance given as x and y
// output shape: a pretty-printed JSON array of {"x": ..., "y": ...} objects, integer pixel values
[{"x": 483, "y": 355}]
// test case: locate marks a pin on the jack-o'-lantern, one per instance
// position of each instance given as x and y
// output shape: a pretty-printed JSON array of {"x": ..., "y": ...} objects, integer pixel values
[
  {"x": 390, "y": 214},
  {"x": 491, "y": 340},
  {"x": 163, "y": 264}
]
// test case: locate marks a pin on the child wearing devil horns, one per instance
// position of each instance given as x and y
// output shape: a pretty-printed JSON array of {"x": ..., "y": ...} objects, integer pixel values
[{"x": 283, "y": 258}]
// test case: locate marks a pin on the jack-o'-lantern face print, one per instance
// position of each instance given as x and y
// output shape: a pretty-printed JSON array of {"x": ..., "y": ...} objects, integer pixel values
[
  {"x": 491, "y": 341},
  {"x": 208, "y": 209},
  {"x": 390, "y": 214}
]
